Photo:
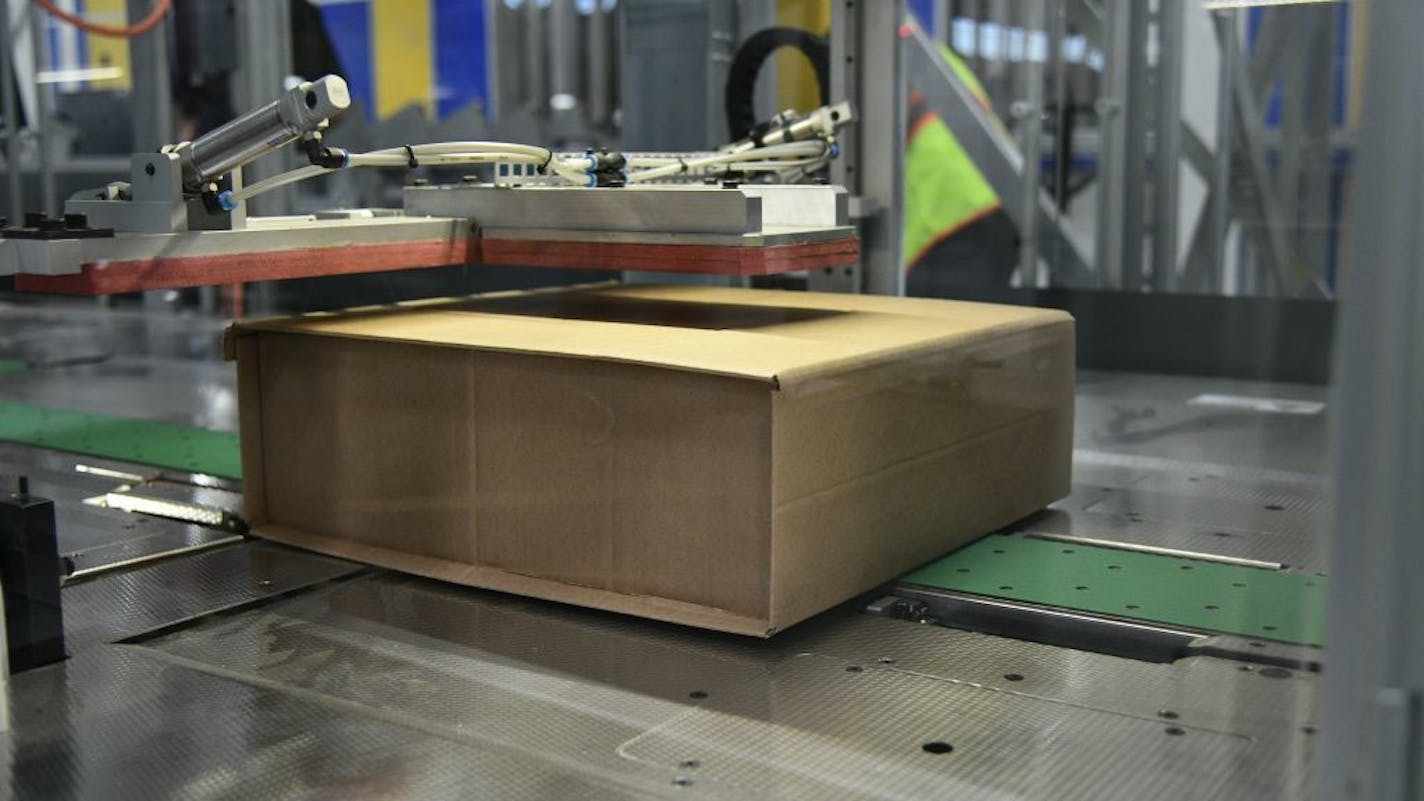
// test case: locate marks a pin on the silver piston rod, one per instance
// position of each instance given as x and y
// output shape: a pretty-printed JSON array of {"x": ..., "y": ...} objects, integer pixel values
[{"x": 302, "y": 110}]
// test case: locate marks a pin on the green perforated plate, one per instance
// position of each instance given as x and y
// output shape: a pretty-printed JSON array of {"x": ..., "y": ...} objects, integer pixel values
[
  {"x": 11, "y": 366},
  {"x": 195, "y": 450},
  {"x": 1191, "y": 593}
]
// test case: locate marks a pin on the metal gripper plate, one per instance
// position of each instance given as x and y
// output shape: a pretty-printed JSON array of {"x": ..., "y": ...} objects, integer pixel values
[{"x": 1192, "y": 593}]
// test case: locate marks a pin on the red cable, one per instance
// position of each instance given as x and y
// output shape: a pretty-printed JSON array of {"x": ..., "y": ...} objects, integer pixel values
[{"x": 148, "y": 23}]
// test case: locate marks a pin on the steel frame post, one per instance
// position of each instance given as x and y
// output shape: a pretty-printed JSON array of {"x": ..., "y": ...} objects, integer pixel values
[
  {"x": 1112, "y": 143},
  {"x": 1134, "y": 144},
  {"x": 264, "y": 36},
  {"x": 1031, "y": 118},
  {"x": 152, "y": 93},
  {"x": 1206, "y": 253},
  {"x": 868, "y": 69},
  {"x": 44, "y": 101},
  {"x": 599, "y": 100},
  {"x": 1167, "y": 144},
  {"x": 536, "y": 95},
  {"x": 9, "y": 106},
  {"x": 1372, "y": 745}
]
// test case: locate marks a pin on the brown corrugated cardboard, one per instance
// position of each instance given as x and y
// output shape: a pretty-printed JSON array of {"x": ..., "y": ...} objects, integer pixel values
[{"x": 728, "y": 458}]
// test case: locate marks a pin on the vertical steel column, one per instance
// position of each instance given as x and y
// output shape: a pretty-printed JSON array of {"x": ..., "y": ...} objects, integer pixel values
[
  {"x": 1220, "y": 198},
  {"x": 844, "y": 170},
  {"x": 264, "y": 38},
  {"x": 9, "y": 106},
  {"x": 563, "y": 48},
  {"x": 536, "y": 93},
  {"x": 44, "y": 102},
  {"x": 494, "y": 70},
  {"x": 1112, "y": 142},
  {"x": 881, "y": 156},
  {"x": 942, "y": 21},
  {"x": 1313, "y": 219},
  {"x": 152, "y": 91},
  {"x": 600, "y": 102},
  {"x": 867, "y": 68},
  {"x": 1167, "y": 149},
  {"x": 1057, "y": 32},
  {"x": 1031, "y": 118},
  {"x": 1000, "y": 83},
  {"x": 1134, "y": 114},
  {"x": 1372, "y": 741}
]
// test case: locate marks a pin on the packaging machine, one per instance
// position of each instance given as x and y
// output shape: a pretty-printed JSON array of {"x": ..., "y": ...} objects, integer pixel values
[{"x": 1157, "y": 633}]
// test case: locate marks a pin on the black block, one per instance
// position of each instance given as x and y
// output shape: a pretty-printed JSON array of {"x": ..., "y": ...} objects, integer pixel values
[{"x": 30, "y": 570}]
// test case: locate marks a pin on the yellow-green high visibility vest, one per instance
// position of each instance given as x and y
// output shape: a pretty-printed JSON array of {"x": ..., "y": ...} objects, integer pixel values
[{"x": 944, "y": 191}]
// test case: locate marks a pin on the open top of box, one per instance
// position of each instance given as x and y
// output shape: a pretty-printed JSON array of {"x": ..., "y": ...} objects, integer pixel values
[{"x": 776, "y": 337}]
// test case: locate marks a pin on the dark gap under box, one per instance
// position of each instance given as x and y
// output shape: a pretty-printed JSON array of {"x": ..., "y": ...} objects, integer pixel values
[{"x": 734, "y": 459}]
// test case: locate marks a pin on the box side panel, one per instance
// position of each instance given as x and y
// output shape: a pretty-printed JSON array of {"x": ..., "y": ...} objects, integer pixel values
[
  {"x": 249, "y": 423},
  {"x": 623, "y": 487},
  {"x": 491, "y": 578},
  {"x": 625, "y": 478},
  {"x": 369, "y": 442},
  {"x": 879, "y": 470}
]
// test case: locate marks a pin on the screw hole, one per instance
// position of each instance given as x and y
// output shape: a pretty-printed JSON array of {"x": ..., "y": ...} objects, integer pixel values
[
  {"x": 1175, "y": 731},
  {"x": 1168, "y": 714},
  {"x": 1274, "y": 507},
  {"x": 691, "y": 764},
  {"x": 1212, "y": 607},
  {"x": 1114, "y": 567},
  {"x": 1187, "y": 567},
  {"x": 1013, "y": 677},
  {"x": 1067, "y": 550},
  {"x": 1081, "y": 587},
  {"x": 310, "y": 98},
  {"x": 682, "y": 781},
  {"x": 698, "y": 694},
  {"x": 1132, "y": 606},
  {"x": 1238, "y": 584},
  {"x": 1006, "y": 586},
  {"x": 937, "y": 747},
  {"x": 1221, "y": 533},
  {"x": 962, "y": 570},
  {"x": 149, "y": 169},
  {"x": 854, "y": 668},
  {"x": 998, "y": 550}
]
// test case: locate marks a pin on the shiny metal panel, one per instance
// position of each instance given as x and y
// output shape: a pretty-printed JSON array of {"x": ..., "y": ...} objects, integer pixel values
[
  {"x": 127, "y": 604},
  {"x": 840, "y": 707}
]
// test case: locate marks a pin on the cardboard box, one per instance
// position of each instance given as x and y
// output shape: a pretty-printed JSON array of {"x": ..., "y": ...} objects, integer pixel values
[{"x": 733, "y": 459}]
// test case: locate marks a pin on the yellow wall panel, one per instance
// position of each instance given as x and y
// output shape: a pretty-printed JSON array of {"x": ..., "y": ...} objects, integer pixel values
[
  {"x": 402, "y": 55},
  {"x": 795, "y": 80},
  {"x": 107, "y": 51}
]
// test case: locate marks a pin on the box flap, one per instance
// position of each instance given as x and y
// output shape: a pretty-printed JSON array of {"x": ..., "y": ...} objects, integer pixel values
[{"x": 777, "y": 337}]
